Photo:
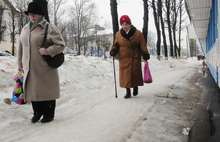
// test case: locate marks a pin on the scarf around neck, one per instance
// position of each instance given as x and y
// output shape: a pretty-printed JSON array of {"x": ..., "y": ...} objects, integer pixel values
[
  {"x": 130, "y": 33},
  {"x": 31, "y": 24}
]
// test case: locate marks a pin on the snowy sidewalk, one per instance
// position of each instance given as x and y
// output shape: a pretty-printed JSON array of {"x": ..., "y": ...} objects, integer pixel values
[{"x": 89, "y": 112}]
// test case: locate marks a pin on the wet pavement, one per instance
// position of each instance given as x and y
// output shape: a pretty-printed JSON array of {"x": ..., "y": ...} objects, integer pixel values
[{"x": 206, "y": 127}]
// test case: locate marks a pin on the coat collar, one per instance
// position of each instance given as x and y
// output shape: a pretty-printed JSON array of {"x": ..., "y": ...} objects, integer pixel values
[
  {"x": 130, "y": 34},
  {"x": 41, "y": 24},
  {"x": 31, "y": 24}
]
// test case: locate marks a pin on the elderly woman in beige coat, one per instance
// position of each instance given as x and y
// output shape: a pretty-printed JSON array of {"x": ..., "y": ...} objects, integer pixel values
[
  {"x": 41, "y": 82},
  {"x": 130, "y": 44}
]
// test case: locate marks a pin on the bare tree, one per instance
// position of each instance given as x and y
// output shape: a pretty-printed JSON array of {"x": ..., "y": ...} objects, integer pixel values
[
  {"x": 180, "y": 27},
  {"x": 63, "y": 26},
  {"x": 114, "y": 13},
  {"x": 56, "y": 11},
  {"x": 2, "y": 23},
  {"x": 12, "y": 25},
  {"x": 174, "y": 16},
  {"x": 22, "y": 6},
  {"x": 71, "y": 33},
  {"x": 146, "y": 19},
  {"x": 83, "y": 18},
  {"x": 151, "y": 41},
  {"x": 182, "y": 19},
  {"x": 157, "y": 25},
  {"x": 14, "y": 14},
  {"x": 168, "y": 21},
  {"x": 160, "y": 10}
]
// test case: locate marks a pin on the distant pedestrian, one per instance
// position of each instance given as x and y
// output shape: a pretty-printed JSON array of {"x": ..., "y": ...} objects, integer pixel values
[
  {"x": 131, "y": 45},
  {"x": 41, "y": 82}
]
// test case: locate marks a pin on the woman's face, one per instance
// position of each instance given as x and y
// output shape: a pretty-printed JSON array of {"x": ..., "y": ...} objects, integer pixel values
[
  {"x": 125, "y": 26},
  {"x": 34, "y": 17}
]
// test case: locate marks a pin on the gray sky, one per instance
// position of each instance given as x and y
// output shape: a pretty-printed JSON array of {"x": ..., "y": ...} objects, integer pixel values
[{"x": 132, "y": 8}]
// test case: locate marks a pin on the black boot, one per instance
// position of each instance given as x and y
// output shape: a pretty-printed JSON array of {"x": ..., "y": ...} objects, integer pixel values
[
  {"x": 49, "y": 110},
  {"x": 37, "y": 112},
  {"x": 46, "y": 119},
  {"x": 128, "y": 93},
  {"x": 35, "y": 118},
  {"x": 135, "y": 91}
]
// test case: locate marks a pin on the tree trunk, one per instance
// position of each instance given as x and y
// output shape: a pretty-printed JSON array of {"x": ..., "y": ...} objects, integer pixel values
[
  {"x": 175, "y": 44},
  {"x": 146, "y": 19},
  {"x": 156, "y": 21},
  {"x": 2, "y": 28},
  {"x": 163, "y": 29},
  {"x": 174, "y": 27},
  {"x": 13, "y": 32},
  {"x": 79, "y": 35},
  {"x": 169, "y": 27},
  {"x": 180, "y": 28},
  {"x": 114, "y": 13}
]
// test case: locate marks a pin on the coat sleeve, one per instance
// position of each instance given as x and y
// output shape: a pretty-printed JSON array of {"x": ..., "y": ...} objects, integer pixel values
[
  {"x": 19, "y": 59},
  {"x": 143, "y": 45},
  {"x": 115, "y": 46},
  {"x": 55, "y": 38}
]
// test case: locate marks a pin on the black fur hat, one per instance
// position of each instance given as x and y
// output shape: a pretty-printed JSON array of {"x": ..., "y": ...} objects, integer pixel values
[{"x": 35, "y": 7}]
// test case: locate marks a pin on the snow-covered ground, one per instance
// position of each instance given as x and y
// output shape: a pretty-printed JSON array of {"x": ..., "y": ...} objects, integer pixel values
[{"x": 89, "y": 112}]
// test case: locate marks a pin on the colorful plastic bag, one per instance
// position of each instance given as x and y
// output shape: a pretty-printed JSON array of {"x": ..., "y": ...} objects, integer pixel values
[
  {"x": 18, "y": 96},
  {"x": 147, "y": 74}
]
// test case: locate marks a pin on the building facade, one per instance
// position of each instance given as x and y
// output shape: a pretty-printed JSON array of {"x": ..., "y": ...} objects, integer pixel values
[
  {"x": 204, "y": 15},
  {"x": 9, "y": 17},
  {"x": 95, "y": 41}
]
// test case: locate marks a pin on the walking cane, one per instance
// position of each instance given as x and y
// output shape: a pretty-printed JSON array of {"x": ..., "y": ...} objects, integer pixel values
[{"x": 116, "y": 96}]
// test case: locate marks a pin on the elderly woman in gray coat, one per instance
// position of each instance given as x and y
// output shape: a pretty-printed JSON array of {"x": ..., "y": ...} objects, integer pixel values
[{"x": 41, "y": 82}]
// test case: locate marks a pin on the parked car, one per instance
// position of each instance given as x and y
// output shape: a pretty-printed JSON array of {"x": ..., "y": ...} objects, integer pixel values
[{"x": 5, "y": 54}]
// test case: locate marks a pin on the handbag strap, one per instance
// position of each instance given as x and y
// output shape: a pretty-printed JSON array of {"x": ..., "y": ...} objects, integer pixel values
[{"x": 45, "y": 36}]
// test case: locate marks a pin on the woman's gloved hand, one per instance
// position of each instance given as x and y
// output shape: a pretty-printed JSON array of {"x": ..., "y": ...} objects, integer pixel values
[
  {"x": 112, "y": 52},
  {"x": 146, "y": 56}
]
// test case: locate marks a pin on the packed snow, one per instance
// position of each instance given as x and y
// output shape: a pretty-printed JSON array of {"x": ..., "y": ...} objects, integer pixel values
[{"x": 88, "y": 111}]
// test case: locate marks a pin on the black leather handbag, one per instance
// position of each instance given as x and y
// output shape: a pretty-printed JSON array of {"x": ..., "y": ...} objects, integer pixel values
[{"x": 57, "y": 60}]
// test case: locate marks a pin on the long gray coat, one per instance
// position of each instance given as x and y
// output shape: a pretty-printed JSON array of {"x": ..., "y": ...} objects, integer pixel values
[{"x": 41, "y": 82}]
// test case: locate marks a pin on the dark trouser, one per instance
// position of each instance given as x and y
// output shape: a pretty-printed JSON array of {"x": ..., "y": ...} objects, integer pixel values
[{"x": 45, "y": 108}]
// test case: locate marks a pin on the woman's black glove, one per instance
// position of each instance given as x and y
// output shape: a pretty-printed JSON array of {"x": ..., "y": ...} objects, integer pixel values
[{"x": 146, "y": 56}]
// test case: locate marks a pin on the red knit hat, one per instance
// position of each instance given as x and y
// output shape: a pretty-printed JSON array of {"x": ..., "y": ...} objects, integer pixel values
[{"x": 125, "y": 18}]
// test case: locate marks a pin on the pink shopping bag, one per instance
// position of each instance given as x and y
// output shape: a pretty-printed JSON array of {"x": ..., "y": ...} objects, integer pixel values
[{"x": 147, "y": 75}]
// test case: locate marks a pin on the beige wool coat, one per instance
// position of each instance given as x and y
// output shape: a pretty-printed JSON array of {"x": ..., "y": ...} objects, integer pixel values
[
  {"x": 130, "y": 72},
  {"x": 41, "y": 82}
]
